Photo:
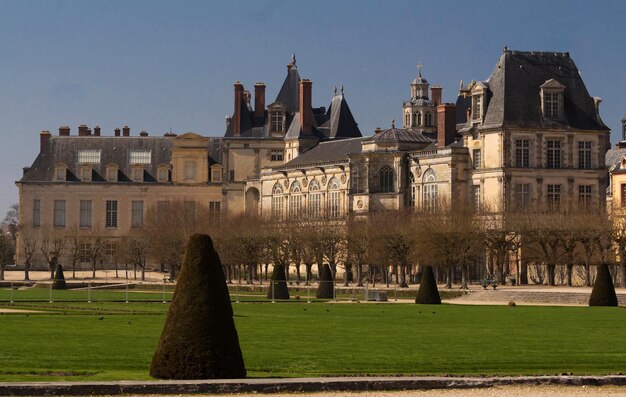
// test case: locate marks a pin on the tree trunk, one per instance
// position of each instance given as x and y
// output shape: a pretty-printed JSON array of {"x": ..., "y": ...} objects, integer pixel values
[
  {"x": 403, "y": 283},
  {"x": 249, "y": 274},
  {"x": 93, "y": 269},
  {"x": 449, "y": 275},
  {"x": 464, "y": 268},
  {"x": 309, "y": 272},
  {"x": 26, "y": 272},
  {"x": 116, "y": 269},
  {"x": 1, "y": 272},
  {"x": 523, "y": 277},
  {"x": 298, "y": 275},
  {"x": 551, "y": 274},
  {"x": 359, "y": 276},
  {"x": 570, "y": 267},
  {"x": 587, "y": 275},
  {"x": 267, "y": 265},
  {"x": 74, "y": 269}
]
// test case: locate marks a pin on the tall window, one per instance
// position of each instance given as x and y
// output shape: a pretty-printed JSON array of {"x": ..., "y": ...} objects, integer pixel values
[
  {"x": 314, "y": 209},
  {"x": 554, "y": 197},
  {"x": 411, "y": 202},
  {"x": 85, "y": 252},
  {"x": 277, "y": 122},
  {"x": 623, "y": 195},
  {"x": 277, "y": 202},
  {"x": 386, "y": 179},
  {"x": 276, "y": 155},
  {"x": 111, "y": 213},
  {"x": 416, "y": 119},
  {"x": 419, "y": 118},
  {"x": 59, "y": 213},
  {"x": 36, "y": 212},
  {"x": 584, "y": 155},
  {"x": 428, "y": 118},
  {"x": 190, "y": 170},
  {"x": 356, "y": 180},
  {"x": 476, "y": 158},
  {"x": 477, "y": 102},
  {"x": 295, "y": 200},
  {"x": 136, "y": 214},
  {"x": 164, "y": 174},
  {"x": 231, "y": 175},
  {"x": 477, "y": 198},
  {"x": 551, "y": 105},
  {"x": 522, "y": 196},
  {"x": 584, "y": 196},
  {"x": 110, "y": 252},
  {"x": 85, "y": 213},
  {"x": 429, "y": 194},
  {"x": 554, "y": 154},
  {"x": 334, "y": 198},
  {"x": 522, "y": 153}
]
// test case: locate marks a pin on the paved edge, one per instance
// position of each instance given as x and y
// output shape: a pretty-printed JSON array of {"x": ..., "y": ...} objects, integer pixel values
[{"x": 291, "y": 385}]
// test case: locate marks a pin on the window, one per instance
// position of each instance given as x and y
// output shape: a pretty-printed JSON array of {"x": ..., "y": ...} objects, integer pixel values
[
  {"x": 85, "y": 213},
  {"x": 477, "y": 198},
  {"x": 112, "y": 174},
  {"x": 314, "y": 209},
  {"x": 407, "y": 119},
  {"x": 522, "y": 153},
  {"x": 584, "y": 155},
  {"x": 419, "y": 118},
  {"x": 623, "y": 197},
  {"x": 522, "y": 196},
  {"x": 355, "y": 179},
  {"x": 554, "y": 154},
  {"x": 554, "y": 197},
  {"x": 190, "y": 170},
  {"x": 277, "y": 202},
  {"x": 416, "y": 117},
  {"x": 110, "y": 252},
  {"x": 334, "y": 198},
  {"x": 140, "y": 157},
  {"x": 111, "y": 213},
  {"x": 59, "y": 213},
  {"x": 430, "y": 197},
  {"x": 276, "y": 155},
  {"x": 584, "y": 196},
  {"x": 476, "y": 158},
  {"x": 215, "y": 206},
  {"x": 428, "y": 119},
  {"x": 295, "y": 206},
  {"x": 137, "y": 174},
  {"x": 60, "y": 173},
  {"x": 36, "y": 212},
  {"x": 551, "y": 105},
  {"x": 231, "y": 176},
  {"x": 85, "y": 252},
  {"x": 164, "y": 174},
  {"x": 386, "y": 179},
  {"x": 216, "y": 175},
  {"x": 89, "y": 156},
  {"x": 277, "y": 122},
  {"x": 411, "y": 202},
  {"x": 477, "y": 107},
  {"x": 136, "y": 214},
  {"x": 85, "y": 174}
]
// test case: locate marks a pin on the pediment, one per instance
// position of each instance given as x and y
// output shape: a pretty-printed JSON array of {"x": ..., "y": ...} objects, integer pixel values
[
  {"x": 552, "y": 83},
  {"x": 189, "y": 135}
]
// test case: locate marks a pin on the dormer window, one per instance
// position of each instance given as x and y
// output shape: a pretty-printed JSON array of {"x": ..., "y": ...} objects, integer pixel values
[
  {"x": 86, "y": 173},
  {"x": 111, "y": 173},
  {"x": 276, "y": 124},
  {"x": 137, "y": 173},
  {"x": 478, "y": 102},
  {"x": 163, "y": 173},
  {"x": 190, "y": 170},
  {"x": 60, "y": 172},
  {"x": 140, "y": 157},
  {"x": 552, "y": 99},
  {"x": 89, "y": 156},
  {"x": 216, "y": 173}
]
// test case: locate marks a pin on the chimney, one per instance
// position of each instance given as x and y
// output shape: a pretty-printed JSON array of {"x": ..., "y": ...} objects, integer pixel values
[
  {"x": 126, "y": 130},
  {"x": 237, "y": 115},
  {"x": 88, "y": 131},
  {"x": 143, "y": 133},
  {"x": 96, "y": 130},
  {"x": 446, "y": 124},
  {"x": 82, "y": 130},
  {"x": 435, "y": 94},
  {"x": 117, "y": 132},
  {"x": 44, "y": 139},
  {"x": 64, "y": 130},
  {"x": 306, "y": 114},
  {"x": 378, "y": 130},
  {"x": 259, "y": 100}
]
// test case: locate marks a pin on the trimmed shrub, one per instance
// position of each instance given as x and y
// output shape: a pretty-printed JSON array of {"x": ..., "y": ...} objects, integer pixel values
[
  {"x": 603, "y": 293},
  {"x": 278, "y": 285},
  {"x": 326, "y": 289},
  {"x": 428, "y": 294},
  {"x": 59, "y": 279},
  {"x": 199, "y": 339}
]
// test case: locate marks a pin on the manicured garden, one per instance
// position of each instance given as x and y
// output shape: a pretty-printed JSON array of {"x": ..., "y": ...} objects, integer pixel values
[{"x": 108, "y": 340}]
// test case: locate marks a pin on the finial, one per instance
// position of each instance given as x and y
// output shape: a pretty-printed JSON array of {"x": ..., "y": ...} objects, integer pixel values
[
  {"x": 342, "y": 89},
  {"x": 461, "y": 85},
  {"x": 293, "y": 58},
  {"x": 419, "y": 67},
  {"x": 393, "y": 122},
  {"x": 335, "y": 90}
]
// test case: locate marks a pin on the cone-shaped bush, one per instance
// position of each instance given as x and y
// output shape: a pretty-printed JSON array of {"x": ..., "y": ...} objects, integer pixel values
[
  {"x": 428, "y": 294},
  {"x": 199, "y": 339},
  {"x": 603, "y": 293},
  {"x": 59, "y": 279},
  {"x": 278, "y": 286},
  {"x": 326, "y": 290}
]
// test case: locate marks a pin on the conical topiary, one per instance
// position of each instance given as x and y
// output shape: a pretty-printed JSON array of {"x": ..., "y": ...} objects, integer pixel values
[
  {"x": 428, "y": 294},
  {"x": 326, "y": 289},
  {"x": 59, "y": 279},
  {"x": 199, "y": 339},
  {"x": 603, "y": 293},
  {"x": 278, "y": 285}
]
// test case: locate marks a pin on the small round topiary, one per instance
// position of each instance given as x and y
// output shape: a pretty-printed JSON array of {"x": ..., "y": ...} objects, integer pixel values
[
  {"x": 603, "y": 293},
  {"x": 428, "y": 294},
  {"x": 278, "y": 285},
  {"x": 326, "y": 289},
  {"x": 59, "y": 279},
  {"x": 199, "y": 339}
]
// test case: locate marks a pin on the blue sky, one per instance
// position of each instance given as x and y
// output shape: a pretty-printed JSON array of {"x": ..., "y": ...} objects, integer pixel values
[{"x": 161, "y": 65}]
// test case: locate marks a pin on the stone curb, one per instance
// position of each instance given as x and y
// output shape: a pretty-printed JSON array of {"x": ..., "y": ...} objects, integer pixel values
[{"x": 291, "y": 385}]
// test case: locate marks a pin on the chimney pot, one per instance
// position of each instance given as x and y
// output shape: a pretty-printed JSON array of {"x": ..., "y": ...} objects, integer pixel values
[
  {"x": 117, "y": 132},
  {"x": 143, "y": 133},
  {"x": 446, "y": 124},
  {"x": 306, "y": 114},
  {"x": 82, "y": 130},
  {"x": 126, "y": 130},
  {"x": 96, "y": 130}
]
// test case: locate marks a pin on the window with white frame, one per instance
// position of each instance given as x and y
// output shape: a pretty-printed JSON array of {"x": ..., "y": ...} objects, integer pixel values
[
  {"x": 554, "y": 197},
  {"x": 334, "y": 198},
  {"x": 111, "y": 213},
  {"x": 85, "y": 213},
  {"x": 111, "y": 173},
  {"x": 295, "y": 200},
  {"x": 136, "y": 213},
  {"x": 276, "y": 122},
  {"x": 277, "y": 202},
  {"x": 385, "y": 176},
  {"x": 314, "y": 209},
  {"x": 85, "y": 174},
  {"x": 584, "y": 155},
  {"x": 215, "y": 206},
  {"x": 84, "y": 252},
  {"x": 477, "y": 103},
  {"x": 522, "y": 196},
  {"x": 551, "y": 105},
  {"x": 522, "y": 153},
  {"x": 59, "y": 213},
  {"x": 216, "y": 174},
  {"x": 584, "y": 196},
  {"x": 137, "y": 174},
  {"x": 429, "y": 193},
  {"x": 60, "y": 172},
  {"x": 36, "y": 212},
  {"x": 89, "y": 156},
  {"x": 110, "y": 251},
  {"x": 140, "y": 157},
  {"x": 554, "y": 154}
]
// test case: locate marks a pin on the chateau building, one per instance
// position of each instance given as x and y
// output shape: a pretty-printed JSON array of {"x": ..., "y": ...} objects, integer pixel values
[{"x": 528, "y": 136}]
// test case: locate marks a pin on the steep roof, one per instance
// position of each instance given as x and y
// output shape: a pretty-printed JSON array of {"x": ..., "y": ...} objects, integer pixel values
[
  {"x": 339, "y": 121},
  {"x": 326, "y": 152},
  {"x": 289, "y": 93},
  {"x": 514, "y": 92}
]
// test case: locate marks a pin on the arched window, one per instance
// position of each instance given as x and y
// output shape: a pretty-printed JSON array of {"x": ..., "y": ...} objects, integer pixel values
[
  {"x": 430, "y": 191},
  {"x": 314, "y": 208},
  {"x": 277, "y": 202},
  {"x": 429, "y": 176},
  {"x": 407, "y": 119},
  {"x": 429, "y": 119},
  {"x": 295, "y": 201},
  {"x": 386, "y": 179},
  {"x": 334, "y": 198},
  {"x": 416, "y": 117},
  {"x": 295, "y": 187},
  {"x": 419, "y": 118}
]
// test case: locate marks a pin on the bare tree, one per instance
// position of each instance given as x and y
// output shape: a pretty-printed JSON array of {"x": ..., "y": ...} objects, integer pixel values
[
  {"x": 29, "y": 248},
  {"x": 51, "y": 247},
  {"x": 7, "y": 252},
  {"x": 134, "y": 250},
  {"x": 358, "y": 240}
]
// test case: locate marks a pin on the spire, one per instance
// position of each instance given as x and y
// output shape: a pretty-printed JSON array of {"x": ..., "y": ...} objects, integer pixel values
[
  {"x": 342, "y": 89},
  {"x": 293, "y": 58},
  {"x": 393, "y": 122},
  {"x": 335, "y": 90},
  {"x": 419, "y": 67}
]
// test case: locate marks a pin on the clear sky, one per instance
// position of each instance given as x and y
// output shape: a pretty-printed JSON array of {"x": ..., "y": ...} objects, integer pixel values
[{"x": 161, "y": 65}]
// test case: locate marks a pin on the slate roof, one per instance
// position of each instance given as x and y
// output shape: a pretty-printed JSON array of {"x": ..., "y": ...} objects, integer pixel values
[
  {"x": 400, "y": 135},
  {"x": 339, "y": 121},
  {"x": 613, "y": 157},
  {"x": 326, "y": 152},
  {"x": 289, "y": 93},
  {"x": 113, "y": 150},
  {"x": 514, "y": 92}
]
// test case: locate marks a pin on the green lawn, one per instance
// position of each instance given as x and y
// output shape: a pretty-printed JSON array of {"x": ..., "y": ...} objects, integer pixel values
[{"x": 98, "y": 341}]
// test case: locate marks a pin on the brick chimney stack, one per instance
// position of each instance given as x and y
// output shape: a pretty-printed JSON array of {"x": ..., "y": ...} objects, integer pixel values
[
  {"x": 44, "y": 139},
  {"x": 96, "y": 130},
  {"x": 117, "y": 132},
  {"x": 126, "y": 130},
  {"x": 259, "y": 100},
  {"x": 446, "y": 124},
  {"x": 64, "y": 130},
  {"x": 306, "y": 113},
  {"x": 143, "y": 133},
  {"x": 237, "y": 114},
  {"x": 82, "y": 130},
  {"x": 435, "y": 94}
]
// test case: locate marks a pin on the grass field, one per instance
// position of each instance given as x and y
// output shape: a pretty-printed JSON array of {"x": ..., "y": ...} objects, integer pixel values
[{"x": 100, "y": 341}]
